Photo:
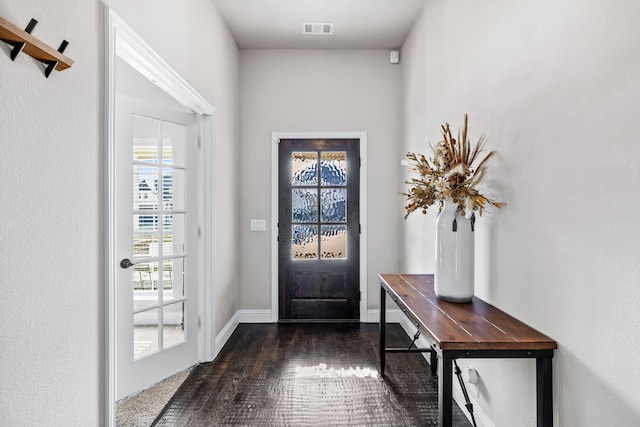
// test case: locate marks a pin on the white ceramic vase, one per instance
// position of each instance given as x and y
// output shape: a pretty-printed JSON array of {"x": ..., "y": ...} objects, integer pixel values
[{"x": 454, "y": 255}]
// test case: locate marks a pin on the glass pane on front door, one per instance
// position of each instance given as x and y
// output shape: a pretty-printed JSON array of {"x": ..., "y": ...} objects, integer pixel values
[
  {"x": 333, "y": 241},
  {"x": 334, "y": 204},
  {"x": 304, "y": 242},
  {"x": 304, "y": 168},
  {"x": 319, "y": 203},
  {"x": 334, "y": 168},
  {"x": 304, "y": 205}
]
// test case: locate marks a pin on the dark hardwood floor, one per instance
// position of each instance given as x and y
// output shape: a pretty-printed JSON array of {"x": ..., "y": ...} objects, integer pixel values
[{"x": 311, "y": 374}]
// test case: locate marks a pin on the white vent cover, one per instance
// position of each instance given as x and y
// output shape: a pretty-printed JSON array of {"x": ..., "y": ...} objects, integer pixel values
[{"x": 318, "y": 28}]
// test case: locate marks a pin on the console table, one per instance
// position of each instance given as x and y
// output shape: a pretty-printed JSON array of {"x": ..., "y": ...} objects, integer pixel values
[{"x": 471, "y": 330}]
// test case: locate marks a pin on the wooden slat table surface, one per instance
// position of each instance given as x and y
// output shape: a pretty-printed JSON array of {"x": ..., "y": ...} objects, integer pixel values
[{"x": 476, "y": 325}]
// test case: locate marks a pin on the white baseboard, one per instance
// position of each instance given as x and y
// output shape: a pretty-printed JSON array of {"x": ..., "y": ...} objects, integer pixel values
[
  {"x": 225, "y": 334},
  {"x": 254, "y": 316},
  {"x": 241, "y": 316},
  {"x": 393, "y": 315}
]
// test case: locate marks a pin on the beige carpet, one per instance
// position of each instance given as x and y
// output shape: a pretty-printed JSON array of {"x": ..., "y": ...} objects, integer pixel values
[{"x": 142, "y": 408}]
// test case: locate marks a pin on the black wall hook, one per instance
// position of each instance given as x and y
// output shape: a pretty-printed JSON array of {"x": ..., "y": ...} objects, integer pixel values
[
  {"x": 23, "y": 41},
  {"x": 17, "y": 47},
  {"x": 54, "y": 64}
]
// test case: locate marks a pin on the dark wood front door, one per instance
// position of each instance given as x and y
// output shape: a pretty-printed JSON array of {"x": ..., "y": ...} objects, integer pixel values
[{"x": 318, "y": 229}]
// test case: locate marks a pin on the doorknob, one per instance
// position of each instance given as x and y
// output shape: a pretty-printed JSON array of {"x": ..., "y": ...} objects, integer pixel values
[{"x": 126, "y": 263}]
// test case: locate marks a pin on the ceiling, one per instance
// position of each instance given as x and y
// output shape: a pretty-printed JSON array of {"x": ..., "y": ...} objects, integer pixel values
[{"x": 358, "y": 24}]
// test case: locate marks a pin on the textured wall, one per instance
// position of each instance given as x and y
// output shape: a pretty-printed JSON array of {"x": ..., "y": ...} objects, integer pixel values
[
  {"x": 51, "y": 196},
  {"x": 554, "y": 85},
  {"x": 317, "y": 90},
  {"x": 50, "y": 233}
]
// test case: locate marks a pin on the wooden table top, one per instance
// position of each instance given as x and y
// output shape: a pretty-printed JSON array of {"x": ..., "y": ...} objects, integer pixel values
[{"x": 476, "y": 325}]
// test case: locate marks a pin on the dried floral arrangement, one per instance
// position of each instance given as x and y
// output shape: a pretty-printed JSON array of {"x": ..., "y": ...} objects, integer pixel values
[{"x": 449, "y": 175}]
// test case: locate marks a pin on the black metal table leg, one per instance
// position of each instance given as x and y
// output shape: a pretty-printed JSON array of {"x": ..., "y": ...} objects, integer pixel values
[
  {"x": 544, "y": 392},
  {"x": 445, "y": 390},
  {"x": 383, "y": 320},
  {"x": 433, "y": 361}
]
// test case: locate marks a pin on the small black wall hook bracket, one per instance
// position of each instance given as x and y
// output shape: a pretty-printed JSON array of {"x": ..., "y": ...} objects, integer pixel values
[
  {"x": 53, "y": 64},
  {"x": 22, "y": 41},
  {"x": 17, "y": 47}
]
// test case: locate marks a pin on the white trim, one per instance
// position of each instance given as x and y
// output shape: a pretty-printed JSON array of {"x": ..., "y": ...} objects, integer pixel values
[
  {"x": 225, "y": 333},
  {"x": 255, "y": 316},
  {"x": 122, "y": 41},
  {"x": 275, "y": 140},
  {"x": 240, "y": 316},
  {"x": 276, "y": 136},
  {"x": 393, "y": 315},
  {"x": 137, "y": 53},
  {"x": 364, "y": 224},
  {"x": 207, "y": 239},
  {"x": 109, "y": 224}
]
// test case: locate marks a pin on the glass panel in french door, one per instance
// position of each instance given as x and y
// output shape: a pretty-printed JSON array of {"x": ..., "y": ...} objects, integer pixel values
[
  {"x": 159, "y": 200},
  {"x": 156, "y": 213}
]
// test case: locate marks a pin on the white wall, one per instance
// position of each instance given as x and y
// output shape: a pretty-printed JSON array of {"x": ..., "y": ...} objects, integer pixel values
[
  {"x": 51, "y": 196},
  {"x": 50, "y": 232},
  {"x": 554, "y": 85},
  {"x": 317, "y": 90}
]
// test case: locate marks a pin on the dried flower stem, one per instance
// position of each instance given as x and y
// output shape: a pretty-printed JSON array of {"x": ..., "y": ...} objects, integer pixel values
[{"x": 449, "y": 175}]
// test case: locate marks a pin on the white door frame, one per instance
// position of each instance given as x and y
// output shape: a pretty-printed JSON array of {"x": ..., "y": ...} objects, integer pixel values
[
  {"x": 121, "y": 41},
  {"x": 276, "y": 136}
]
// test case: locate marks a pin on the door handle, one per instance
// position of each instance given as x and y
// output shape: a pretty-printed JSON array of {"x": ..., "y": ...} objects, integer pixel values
[{"x": 126, "y": 263}]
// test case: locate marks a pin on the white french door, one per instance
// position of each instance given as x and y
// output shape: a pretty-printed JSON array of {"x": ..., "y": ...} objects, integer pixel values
[{"x": 156, "y": 241}]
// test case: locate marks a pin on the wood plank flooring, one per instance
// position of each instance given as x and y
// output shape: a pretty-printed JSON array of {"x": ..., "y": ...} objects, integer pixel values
[{"x": 310, "y": 374}]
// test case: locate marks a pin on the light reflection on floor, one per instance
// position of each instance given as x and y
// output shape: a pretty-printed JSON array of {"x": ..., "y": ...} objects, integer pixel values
[{"x": 324, "y": 371}]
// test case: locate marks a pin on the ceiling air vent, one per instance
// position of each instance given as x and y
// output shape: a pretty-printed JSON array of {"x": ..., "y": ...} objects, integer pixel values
[{"x": 318, "y": 28}]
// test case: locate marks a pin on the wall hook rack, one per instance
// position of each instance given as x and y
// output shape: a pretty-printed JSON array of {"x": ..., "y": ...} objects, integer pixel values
[{"x": 23, "y": 41}]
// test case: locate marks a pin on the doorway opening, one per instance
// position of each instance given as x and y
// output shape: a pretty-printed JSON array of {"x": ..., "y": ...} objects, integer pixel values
[
  {"x": 312, "y": 265},
  {"x": 123, "y": 45}
]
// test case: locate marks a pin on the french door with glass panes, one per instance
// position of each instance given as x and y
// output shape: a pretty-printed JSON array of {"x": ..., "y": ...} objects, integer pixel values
[
  {"x": 156, "y": 243},
  {"x": 319, "y": 229}
]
